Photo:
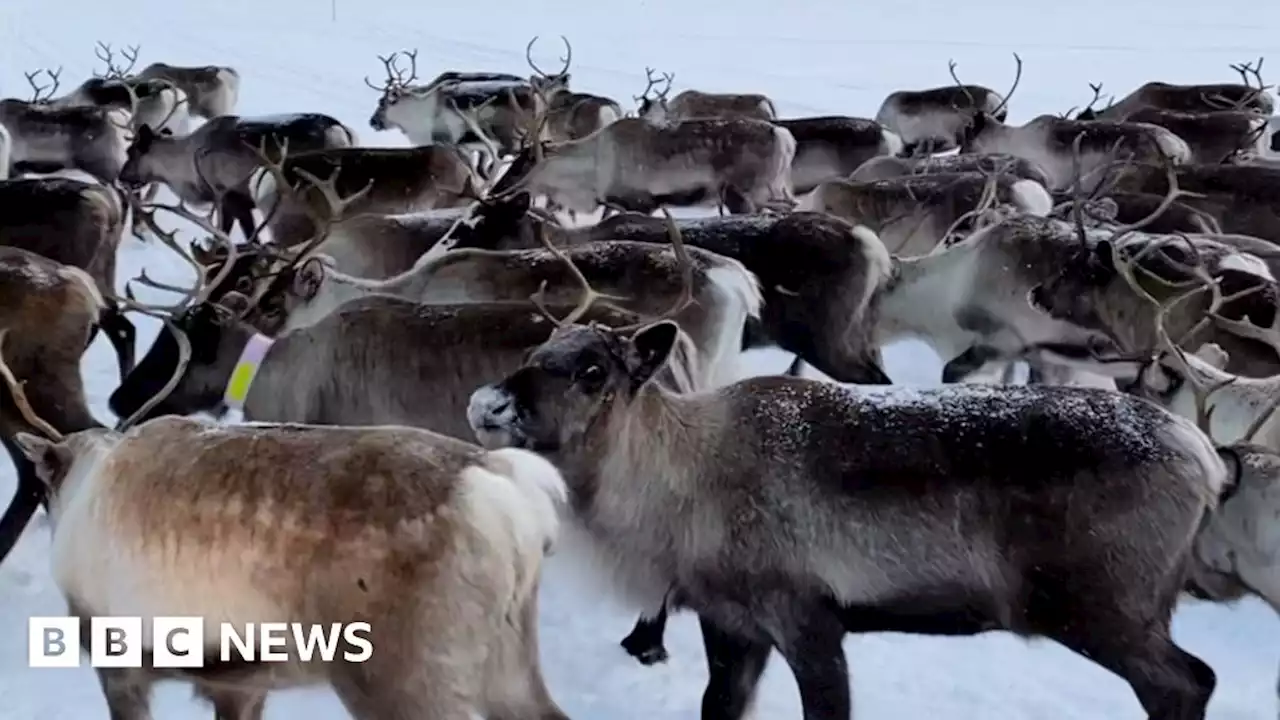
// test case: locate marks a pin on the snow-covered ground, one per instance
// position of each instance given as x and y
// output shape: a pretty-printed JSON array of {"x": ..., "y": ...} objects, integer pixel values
[{"x": 814, "y": 57}]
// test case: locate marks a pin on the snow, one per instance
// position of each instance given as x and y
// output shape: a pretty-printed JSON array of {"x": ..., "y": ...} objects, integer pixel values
[{"x": 819, "y": 57}]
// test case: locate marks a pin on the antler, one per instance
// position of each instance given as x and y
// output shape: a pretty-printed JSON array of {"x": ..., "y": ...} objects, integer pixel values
[
  {"x": 1017, "y": 78},
  {"x": 396, "y": 79},
  {"x": 114, "y": 71},
  {"x": 652, "y": 82},
  {"x": 590, "y": 295},
  {"x": 43, "y": 93}
]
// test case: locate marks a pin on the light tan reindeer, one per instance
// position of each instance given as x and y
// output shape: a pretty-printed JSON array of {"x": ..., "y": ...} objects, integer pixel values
[
  {"x": 690, "y": 104},
  {"x": 434, "y": 543}
]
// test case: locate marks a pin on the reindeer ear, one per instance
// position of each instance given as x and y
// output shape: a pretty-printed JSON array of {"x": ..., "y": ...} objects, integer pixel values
[
  {"x": 307, "y": 278},
  {"x": 650, "y": 347},
  {"x": 51, "y": 459}
]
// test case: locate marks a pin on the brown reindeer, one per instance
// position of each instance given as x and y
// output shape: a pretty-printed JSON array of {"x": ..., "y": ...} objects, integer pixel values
[
  {"x": 1242, "y": 199},
  {"x": 913, "y": 214},
  {"x": 1250, "y": 94},
  {"x": 832, "y": 147},
  {"x": 78, "y": 224},
  {"x": 691, "y": 104},
  {"x": 399, "y": 180},
  {"x": 47, "y": 314}
]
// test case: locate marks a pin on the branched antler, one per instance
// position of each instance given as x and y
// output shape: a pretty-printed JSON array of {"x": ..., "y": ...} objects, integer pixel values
[
  {"x": 1004, "y": 102},
  {"x": 651, "y": 82},
  {"x": 44, "y": 93},
  {"x": 114, "y": 70},
  {"x": 397, "y": 79}
]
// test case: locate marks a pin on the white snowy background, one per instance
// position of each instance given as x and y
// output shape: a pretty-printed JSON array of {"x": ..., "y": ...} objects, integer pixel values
[{"x": 813, "y": 57}]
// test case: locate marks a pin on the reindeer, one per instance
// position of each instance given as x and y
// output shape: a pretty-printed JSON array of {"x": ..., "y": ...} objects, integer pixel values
[
  {"x": 1213, "y": 137},
  {"x": 407, "y": 363},
  {"x": 1250, "y": 95},
  {"x": 77, "y": 224},
  {"x": 44, "y": 138},
  {"x": 575, "y": 115},
  {"x": 832, "y": 147},
  {"x": 887, "y": 167},
  {"x": 47, "y": 314},
  {"x": 214, "y": 164},
  {"x": 484, "y": 116},
  {"x": 455, "y": 533},
  {"x": 636, "y": 165},
  {"x": 211, "y": 90},
  {"x": 913, "y": 214},
  {"x": 1048, "y": 141},
  {"x": 640, "y": 277},
  {"x": 1241, "y": 199},
  {"x": 156, "y": 102},
  {"x": 400, "y": 180},
  {"x": 817, "y": 273},
  {"x": 934, "y": 120},
  {"x": 800, "y": 504},
  {"x": 691, "y": 104}
]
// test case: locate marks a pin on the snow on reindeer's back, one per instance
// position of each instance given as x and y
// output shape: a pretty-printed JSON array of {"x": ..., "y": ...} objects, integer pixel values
[{"x": 293, "y": 59}]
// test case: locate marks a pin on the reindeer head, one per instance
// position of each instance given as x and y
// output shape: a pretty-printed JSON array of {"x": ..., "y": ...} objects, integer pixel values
[
  {"x": 397, "y": 87},
  {"x": 216, "y": 334},
  {"x": 569, "y": 386},
  {"x": 985, "y": 120},
  {"x": 583, "y": 375},
  {"x": 140, "y": 165},
  {"x": 62, "y": 463},
  {"x": 654, "y": 107}
]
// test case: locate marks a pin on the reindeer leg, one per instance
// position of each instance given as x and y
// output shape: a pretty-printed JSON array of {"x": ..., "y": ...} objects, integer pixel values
[
  {"x": 968, "y": 362},
  {"x": 237, "y": 209},
  {"x": 231, "y": 704},
  {"x": 734, "y": 666},
  {"x": 29, "y": 495},
  {"x": 645, "y": 641},
  {"x": 796, "y": 367},
  {"x": 736, "y": 202}
]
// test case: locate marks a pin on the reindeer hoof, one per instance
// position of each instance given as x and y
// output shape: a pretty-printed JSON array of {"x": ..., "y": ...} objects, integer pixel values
[{"x": 647, "y": 653}]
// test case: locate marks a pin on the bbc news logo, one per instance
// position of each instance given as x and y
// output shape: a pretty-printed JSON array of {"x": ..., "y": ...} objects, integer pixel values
[{"x": 180, "y": 642}]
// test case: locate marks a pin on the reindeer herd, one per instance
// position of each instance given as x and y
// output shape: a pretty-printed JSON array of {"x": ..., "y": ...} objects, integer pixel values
[{"x": 443, "y": 360}]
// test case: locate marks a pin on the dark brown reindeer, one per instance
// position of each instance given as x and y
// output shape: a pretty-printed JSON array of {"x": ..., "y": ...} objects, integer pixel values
[
  {"x": 44, "y": 138},
  {"x": 832, "y": 147},
  {"x": 690, "y": 104},
  {"x": 1242, "y": 199},
  {"x": 399, "y": 180},
  {"x": 1213, "y": 137},
  {"x": 47, "y": 314},
  {"x": 211, "y": 90},
  {"x": 778, "y": 493},
  {"x": 1250, "y": 95},
  {"x": 214, "y": 164},
  {"x": 78, "y": 224},
  {"x": 817, "y": 273},
  {"x": 934, "y": 120}
]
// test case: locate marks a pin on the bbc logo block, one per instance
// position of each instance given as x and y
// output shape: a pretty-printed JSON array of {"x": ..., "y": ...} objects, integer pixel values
[
  {"x": 182, "y": 642},
  {"x": 53, "y": 642}
]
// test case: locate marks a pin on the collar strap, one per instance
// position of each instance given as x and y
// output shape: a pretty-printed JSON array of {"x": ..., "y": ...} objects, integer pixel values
[{"x": 246, "y": 370}]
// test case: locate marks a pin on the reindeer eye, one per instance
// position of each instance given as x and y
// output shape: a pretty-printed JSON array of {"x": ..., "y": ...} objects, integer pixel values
[{"x": 590, "y": 376}]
